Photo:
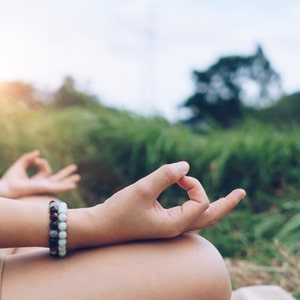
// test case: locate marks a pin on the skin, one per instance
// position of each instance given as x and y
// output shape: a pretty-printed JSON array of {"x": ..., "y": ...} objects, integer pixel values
[
  {"x": 128, "y": 247},
  {"x": 16, "y": 183}
]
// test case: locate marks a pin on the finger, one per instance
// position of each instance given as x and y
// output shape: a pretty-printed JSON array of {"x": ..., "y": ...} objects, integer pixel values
[
  {"x": 73, "y": 179},
  {"x": 153, "y": 184},
  {"x": 61, "y": 186},
  {"x": 194, "y": 188},
  {"x": 28, "y": 158},
  {"x": 43, "y": 166},
  {"x": 66, "y": 185},
  {"x": 218, "y": 209},
  {"x": 65, "y": 172},
  {"x": 192, "y": 209}
]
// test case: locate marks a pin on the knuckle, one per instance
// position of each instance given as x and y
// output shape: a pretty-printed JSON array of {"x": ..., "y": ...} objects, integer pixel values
[
  {"x": 168, "y": 171},
  {"x": 211, "y": 217},
  {"x": 205, "y": 203},
  {"x": 142, "y": 189}
]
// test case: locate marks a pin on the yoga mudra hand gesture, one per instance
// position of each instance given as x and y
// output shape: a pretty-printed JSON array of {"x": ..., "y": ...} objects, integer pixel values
[
  {"x": 134, "y": 213},
  {"x": 16, "y": 183},
  {"x": 128, "y": 247}
]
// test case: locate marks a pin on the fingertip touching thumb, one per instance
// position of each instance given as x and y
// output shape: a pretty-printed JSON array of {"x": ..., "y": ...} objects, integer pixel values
[{"x": 183, "y": 166}]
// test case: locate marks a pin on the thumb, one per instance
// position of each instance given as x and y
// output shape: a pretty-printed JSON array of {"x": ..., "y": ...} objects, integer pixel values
[{"x": 162, "y": 178}]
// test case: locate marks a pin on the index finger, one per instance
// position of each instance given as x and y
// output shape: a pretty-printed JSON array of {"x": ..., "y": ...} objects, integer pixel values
[
  {"x": 65, "y": 172},
  {"x": 194, "y": 189},
  {"x": 27, "y": 159},
  {"x": 165, "y": 176},
  {"x": 218, "y": 209},
  {"x": 43, "y": 166}
]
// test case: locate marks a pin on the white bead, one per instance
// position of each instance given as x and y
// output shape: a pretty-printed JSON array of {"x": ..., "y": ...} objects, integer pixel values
[
  {"x": 61, "y": 247},
  {"x": 62, "y": 208},
  {"x": 62, "y": 226},
  {"x": 62, "y": 234},
  {"x": 62, "y": 253},
  {"x": 62, "y": 242},
  {"x": 62, "y": 217}
]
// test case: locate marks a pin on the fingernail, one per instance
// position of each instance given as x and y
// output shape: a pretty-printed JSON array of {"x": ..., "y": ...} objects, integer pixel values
[
  {"x": 183, "y": 166},
  {"x": 243, "y": 193}
]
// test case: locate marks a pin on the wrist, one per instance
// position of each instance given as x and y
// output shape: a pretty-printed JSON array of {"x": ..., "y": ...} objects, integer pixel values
[
  {"x": 79, "y": 228},
  {"x": 87, "y": 227}
]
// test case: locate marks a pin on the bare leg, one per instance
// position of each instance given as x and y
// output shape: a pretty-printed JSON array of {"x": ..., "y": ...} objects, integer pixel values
[{"x": 186, "y": 268}]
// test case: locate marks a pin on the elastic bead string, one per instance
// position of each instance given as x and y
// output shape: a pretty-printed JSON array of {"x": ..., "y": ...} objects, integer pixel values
[{"x": 58, "y": 229}]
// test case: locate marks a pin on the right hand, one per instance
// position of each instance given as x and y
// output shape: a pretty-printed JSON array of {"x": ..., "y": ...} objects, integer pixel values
[{"x": 134, "y": 212}]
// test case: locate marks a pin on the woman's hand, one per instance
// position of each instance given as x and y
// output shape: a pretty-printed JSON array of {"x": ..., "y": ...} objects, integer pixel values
[
  {"x": 134, "y": 212},
  {"x": 16, "y": 183},
  {"x": 218, "y": 209}
]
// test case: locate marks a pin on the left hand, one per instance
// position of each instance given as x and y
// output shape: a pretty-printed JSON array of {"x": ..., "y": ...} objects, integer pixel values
[{"x": 16, "y": 183}]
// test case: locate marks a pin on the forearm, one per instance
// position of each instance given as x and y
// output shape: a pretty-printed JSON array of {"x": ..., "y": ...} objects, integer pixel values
[
  {"x": 27, "y": 225},
  {"x": 23, "y": 224}
]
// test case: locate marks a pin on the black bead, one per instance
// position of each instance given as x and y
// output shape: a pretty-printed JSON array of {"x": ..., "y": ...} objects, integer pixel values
[
  {"x": 53, "y": 209},
  {"x": 53, "y": 242},
  {"x": 53, "y": 251},
  {"x": 53, "y": 216},
  {"x": 54, "y": 225}
]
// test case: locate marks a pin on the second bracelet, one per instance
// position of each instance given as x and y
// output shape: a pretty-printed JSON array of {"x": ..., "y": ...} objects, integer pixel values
[{"x": 58, "y": 229}]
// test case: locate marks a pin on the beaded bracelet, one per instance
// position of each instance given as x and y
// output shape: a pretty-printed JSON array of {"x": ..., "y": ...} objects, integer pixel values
[{"x": 58, "y": 229}]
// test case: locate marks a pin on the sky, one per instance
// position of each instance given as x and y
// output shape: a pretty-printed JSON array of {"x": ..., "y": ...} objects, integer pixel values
[{"x": 139, "y": 54}]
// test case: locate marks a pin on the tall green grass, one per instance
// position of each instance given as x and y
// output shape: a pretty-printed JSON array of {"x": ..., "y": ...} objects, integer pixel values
[{"x": 114, "y": 148}]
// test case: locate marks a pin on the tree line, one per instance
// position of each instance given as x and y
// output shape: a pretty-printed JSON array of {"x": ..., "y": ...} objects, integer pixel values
[{"x": 231, "y": 89}]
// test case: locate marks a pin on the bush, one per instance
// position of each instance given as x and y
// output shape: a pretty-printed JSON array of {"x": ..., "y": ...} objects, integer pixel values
[{"x": 114, "y": 148}]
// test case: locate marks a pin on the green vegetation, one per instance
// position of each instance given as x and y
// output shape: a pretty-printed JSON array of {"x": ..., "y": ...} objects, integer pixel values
[
  {"x": 114, "y": 148},
  {"x": 221, "y": 90}
]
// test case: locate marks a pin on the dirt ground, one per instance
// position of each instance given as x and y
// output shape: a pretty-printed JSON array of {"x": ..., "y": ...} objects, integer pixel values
[{"x": 286, "y": 275}]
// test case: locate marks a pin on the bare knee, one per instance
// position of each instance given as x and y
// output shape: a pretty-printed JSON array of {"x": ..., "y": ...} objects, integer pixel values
[{"x": 209, "y": 276}]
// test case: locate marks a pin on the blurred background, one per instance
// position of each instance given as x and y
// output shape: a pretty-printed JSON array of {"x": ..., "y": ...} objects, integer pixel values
[
  {"x": 121, "y": 87},
  {"x": 139, "y": 54}
]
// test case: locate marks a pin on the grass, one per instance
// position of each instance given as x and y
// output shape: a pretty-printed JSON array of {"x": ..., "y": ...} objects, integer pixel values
[
  {"x": 114, "y": 148},
  {"x": 282, "y": 271}
]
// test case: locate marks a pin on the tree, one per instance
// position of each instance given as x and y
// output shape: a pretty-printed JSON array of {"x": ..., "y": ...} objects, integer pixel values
[
  {"x": 67, "y": 95},
  {"x": 19, "y": 92},
  {"x": 221, "y": 90}
]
